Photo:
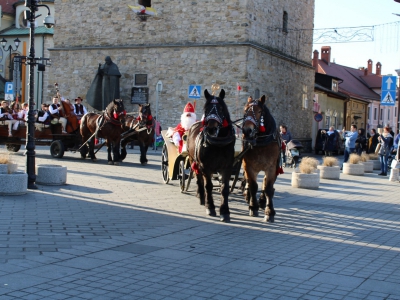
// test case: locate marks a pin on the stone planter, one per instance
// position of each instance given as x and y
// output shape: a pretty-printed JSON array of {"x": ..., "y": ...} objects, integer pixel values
[
  {"x": 368, "y": 166},
  {"x": 394, "y": 175},
  {"x": 51, "y": 174},
  {"x": 13, "y": 184},
  {"x": 377, "y": 164},
  {"x": 305, "y": 181},
  {"x": 3, "y": 169},
  {"x": 329, "y": 172},
  {"x": 353, "y": 169}
]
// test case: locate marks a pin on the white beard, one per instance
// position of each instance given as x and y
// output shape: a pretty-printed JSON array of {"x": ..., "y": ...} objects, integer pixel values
[{"x": 187, "y": 122}]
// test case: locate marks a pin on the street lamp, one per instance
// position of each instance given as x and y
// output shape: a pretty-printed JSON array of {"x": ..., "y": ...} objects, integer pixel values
[
  {"x": 32, "y": 61},
  {"x": 3, "y": 43}
]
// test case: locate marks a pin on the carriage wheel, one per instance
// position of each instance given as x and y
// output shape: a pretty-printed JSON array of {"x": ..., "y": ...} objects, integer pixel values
[
  {"x": 189, "y": 179},
  {"x": 13, "y": 147},
  {"x": 182, "y": 175},
  {"x": 57, "y": 149},
  {"x": 164, "y": 164}
]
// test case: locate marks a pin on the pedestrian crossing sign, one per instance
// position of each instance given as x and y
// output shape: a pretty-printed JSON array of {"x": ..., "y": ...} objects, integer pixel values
[
  {"x": 195, "y": 91},
  {"x": 388, "y": 97}
]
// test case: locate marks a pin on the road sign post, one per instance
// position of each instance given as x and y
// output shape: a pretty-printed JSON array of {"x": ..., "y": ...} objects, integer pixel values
[{"x": 388, "y": 96}]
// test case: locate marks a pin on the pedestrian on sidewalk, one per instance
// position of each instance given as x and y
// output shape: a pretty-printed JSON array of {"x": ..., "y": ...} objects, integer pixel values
[
  {"x": 350, "y": 142},
  {"x": 386, "y": 141}
]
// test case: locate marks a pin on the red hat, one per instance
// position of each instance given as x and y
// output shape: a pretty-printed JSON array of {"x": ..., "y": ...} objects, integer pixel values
[{"x": 189, "y": 108}]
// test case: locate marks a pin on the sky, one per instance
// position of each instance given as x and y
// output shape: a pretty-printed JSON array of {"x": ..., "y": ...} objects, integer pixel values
[{"x": 355, "y": 13}]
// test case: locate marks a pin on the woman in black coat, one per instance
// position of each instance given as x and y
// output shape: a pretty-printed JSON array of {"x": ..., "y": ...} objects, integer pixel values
[
  {"x": 361, "y": 141},
  {"x": 329, "y": 139},
  {"x": 373, "y": 141}
]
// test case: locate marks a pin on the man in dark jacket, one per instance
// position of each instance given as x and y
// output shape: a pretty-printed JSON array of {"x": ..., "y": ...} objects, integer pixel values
[{"x": 361, "y": 141}]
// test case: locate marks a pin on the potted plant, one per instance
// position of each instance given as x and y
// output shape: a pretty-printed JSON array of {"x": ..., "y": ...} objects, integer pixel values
[
  {"x": 330, "y": 168},
  {"x": 375, "y": 160},
  {"x": 368, "y": 164},
  {"x": 12, "y": 181},
  {"x": 306, "y": 176},
  {"x": 353, "y": 166}
]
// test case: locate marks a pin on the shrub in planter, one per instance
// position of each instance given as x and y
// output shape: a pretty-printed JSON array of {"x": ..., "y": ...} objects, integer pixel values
[
  {"x": 375, "y": 160},
  {"x": 307, "y": 178},
  {"x": 353, "y": 166},
  {"x": 368, "y": 164},
  {"x": 329, "y": 168},
  {"x": 12, "y": 182}
]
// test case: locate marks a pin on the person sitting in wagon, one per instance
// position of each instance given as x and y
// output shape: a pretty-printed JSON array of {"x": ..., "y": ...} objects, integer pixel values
[
  {"x": 188, "y": 118},
  {"x": 22, "y": 116},
  {"x": 79, "y": 109},
  {"x": 6, "y": 116},
  {"x": 54, "y": 110},
  {"x": 43, "y": 117}
]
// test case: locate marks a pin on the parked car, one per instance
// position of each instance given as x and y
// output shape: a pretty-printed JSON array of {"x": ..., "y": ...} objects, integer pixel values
[{"x": 339, "y": 148}]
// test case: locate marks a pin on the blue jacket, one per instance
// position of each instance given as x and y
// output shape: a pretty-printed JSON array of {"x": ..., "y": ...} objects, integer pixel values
[
  {"x": 396, "y": 141},
  {"x": 351, "y": 139}
]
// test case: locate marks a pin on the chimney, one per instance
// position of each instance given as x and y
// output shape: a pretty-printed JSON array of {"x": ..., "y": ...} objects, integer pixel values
[
  {"x": 369, "y": 67},
  {"x": 365, "y": 71},
  {"x": 326, "y": 54},
  {"x": 315, "y": 60},
  {"x": 378, "y": 68}
]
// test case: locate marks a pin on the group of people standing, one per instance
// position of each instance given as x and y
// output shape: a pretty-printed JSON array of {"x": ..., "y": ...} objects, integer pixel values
[{"x": 383, "y": 144}]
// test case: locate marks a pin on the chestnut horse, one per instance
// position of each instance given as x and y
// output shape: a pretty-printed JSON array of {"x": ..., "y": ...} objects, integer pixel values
[
  {"x": 108, "y": 125},
  {"x": 211, "y": 147},
  {"x": 140, "y": 129},
  {"x": 262, "y": 150}
]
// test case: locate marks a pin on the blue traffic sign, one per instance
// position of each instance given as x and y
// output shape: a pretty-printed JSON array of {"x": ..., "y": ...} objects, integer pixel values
[
  {"x": 388, "y": 95},
  {"x": 9, "y": 91},
  {"x": 195, "y": 91}
]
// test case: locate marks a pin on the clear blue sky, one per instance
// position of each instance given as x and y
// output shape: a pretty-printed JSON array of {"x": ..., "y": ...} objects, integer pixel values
[{"x": 352, "y": 13}]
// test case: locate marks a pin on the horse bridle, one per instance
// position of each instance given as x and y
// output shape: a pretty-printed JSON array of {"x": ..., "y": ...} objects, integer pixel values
[
  {"x": 250, "y": 116},
  {"x": 214, "y": 115}
]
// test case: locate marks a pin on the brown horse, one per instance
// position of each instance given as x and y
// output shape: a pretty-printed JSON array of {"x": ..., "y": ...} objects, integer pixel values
[
  {"x": 141, "y": 130},
  {"x": 211, "y": 147},
  {"x": 108, "y": 125},
  {"x": 68, "y": 112},
  {"x": 262, "y": 150}
]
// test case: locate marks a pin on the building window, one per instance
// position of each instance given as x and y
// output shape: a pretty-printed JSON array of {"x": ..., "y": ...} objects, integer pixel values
[
  {"x": 375, "y": 113},
  {"x": 381, "y": 117},
  {"x": 145, "y": 3},
  {"x": 369, "y": 113},
  {"x": 327, "y": 121},
  {"x": 388, "y": 114},
  {"x": 285, "y": 22},
  {"x": 256, "y": 94},
  {"x": 334, "y": 85}
]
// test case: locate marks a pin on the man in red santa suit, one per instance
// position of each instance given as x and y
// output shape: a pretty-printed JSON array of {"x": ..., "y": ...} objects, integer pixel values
[{"x": 188, "y": 118}]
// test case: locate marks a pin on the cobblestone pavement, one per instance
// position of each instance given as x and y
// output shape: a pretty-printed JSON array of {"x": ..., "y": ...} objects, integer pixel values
[{"x": 119, "y": 232}]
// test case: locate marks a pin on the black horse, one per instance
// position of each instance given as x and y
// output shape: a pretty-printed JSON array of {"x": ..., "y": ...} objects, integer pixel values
[
  {"x": 261, "y": 149},
  {"x": 107, "y": 125},
  {"x": 211, "y": 147},
  {"x": 141, "y": 130}
]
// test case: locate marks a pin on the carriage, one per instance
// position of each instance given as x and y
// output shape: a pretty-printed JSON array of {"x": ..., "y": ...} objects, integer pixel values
[
  {"x": 176, "y": 166},
  {"x": 45, "y": 135}
]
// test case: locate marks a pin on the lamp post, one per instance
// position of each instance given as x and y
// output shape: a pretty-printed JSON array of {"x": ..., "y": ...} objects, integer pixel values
[
  {"x": 32, "y": 62},
  {"x": 10, "y": 49}
]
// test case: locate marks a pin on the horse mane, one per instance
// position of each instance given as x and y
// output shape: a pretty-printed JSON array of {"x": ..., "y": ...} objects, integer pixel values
[{"x": 269, "y": 121}]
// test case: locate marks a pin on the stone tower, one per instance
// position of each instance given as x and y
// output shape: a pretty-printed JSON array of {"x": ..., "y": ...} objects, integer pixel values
[{"x": 265, "y": 46}]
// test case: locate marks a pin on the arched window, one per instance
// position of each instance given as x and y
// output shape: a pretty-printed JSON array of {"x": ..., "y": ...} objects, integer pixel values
[
  {"x": 256, "y": 94},
  {"x": 285, "y": 22}
]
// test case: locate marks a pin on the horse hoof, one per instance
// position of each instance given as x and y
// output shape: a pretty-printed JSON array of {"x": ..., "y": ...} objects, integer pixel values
[
  {"x": 269, "y": 219},
  {"x": 144, "y": 164},
  {"x": 225, "y": 218},
  {"x": 94, "y": 160},
  {"x": 110, "y": 163},
  {"x": 253, "y": 213},
  {"x": 211, "y": 212}
]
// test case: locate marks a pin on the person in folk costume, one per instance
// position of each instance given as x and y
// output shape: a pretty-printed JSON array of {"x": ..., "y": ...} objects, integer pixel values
[
  {"x": 79, "y": 109},
  {"x": 22, "y": 116},
  {"x": 54, "y": 110},
  {"x": 188, "y": 118}
]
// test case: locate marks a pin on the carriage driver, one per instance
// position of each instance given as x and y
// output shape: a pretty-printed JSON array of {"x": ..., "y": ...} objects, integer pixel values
[
  {"x": 188, "y": 118},
  {"x": 54, "y": 110},
  {"x": 79, "y": 109}
]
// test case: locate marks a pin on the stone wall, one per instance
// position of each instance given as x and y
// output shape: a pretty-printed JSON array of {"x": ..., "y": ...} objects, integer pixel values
[{"x": 219, "y": 41}]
